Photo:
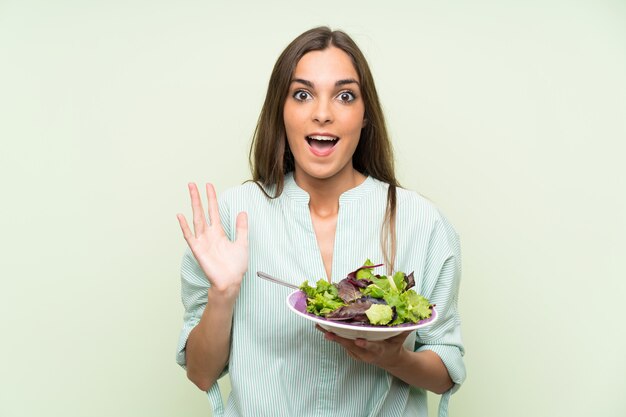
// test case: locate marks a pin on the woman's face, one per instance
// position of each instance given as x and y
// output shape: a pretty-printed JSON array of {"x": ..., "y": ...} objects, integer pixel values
[{"x": 324, "y": 114}]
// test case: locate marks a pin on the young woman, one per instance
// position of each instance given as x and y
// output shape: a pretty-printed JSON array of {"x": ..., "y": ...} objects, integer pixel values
[{"x": 323, "y": 198}]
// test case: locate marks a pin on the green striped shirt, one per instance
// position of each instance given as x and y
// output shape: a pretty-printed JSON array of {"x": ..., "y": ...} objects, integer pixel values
[{"x": 280, "y": 365}]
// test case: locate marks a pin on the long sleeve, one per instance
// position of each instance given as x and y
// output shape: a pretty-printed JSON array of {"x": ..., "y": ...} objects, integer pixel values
[
  {"x": 442, "y": 276},
  {"x": 194, "y": 288}
]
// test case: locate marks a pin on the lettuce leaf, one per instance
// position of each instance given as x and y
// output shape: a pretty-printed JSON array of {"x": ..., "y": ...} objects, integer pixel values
[
  {"x": 348, "y": 292},
  {"x": 323, "y": 299},
  {"x": 379, "y": 314},
  {"x": 365, "y": 298},
  {"x": 365, "y": 271},
  {"x": 354, "y": 312}
]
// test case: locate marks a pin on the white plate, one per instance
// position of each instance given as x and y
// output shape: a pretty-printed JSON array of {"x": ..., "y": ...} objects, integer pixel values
[{"x": 296, "y": 301}]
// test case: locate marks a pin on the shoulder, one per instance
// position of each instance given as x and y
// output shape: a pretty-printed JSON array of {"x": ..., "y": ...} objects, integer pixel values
[
  {"x": 247, "y": 194},
  {"x": 417, "y": 210},
  {"x": 247, "y": 197},
  {"x": 410, "y": 204},
  {"x": 413, "y": 203},
  {"x": 248, "y": 189}
]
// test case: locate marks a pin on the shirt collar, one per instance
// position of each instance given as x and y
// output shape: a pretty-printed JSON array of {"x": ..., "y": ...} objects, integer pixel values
[{"x": 297, "y": 194}]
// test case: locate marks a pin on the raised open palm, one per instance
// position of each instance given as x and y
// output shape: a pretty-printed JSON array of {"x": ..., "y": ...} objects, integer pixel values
[{"x": 223, "y": 261}]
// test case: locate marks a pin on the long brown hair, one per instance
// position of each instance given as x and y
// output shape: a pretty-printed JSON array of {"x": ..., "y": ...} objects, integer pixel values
[{"x": 270, "y": 158}]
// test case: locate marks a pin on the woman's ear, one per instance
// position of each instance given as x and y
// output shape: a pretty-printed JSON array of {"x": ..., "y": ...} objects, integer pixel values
[{"x": 364, "y": 123}]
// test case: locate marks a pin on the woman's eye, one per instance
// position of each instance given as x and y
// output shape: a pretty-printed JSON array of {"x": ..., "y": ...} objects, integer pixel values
[
  {"x": 346, "y": 96},
  {"x": 301, "y": 95}
]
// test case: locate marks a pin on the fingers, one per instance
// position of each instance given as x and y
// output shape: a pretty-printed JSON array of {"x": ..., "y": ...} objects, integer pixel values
[
  {"x": 213, "y": 208},
  {"x": 199, "y": 222},
  {"x": 400, "y": 338},
  {"x": 358, "y": 349},
  {"x": 241, "y": 228},
  {"x": 363, "y": 344},
  {"x": 182, "y": 221}
]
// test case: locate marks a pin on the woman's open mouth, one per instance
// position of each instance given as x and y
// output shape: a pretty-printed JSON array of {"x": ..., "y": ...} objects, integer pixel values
[{"x": 322, "y": 145}]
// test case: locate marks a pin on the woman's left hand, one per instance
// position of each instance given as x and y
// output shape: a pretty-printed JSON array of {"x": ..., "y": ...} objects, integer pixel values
[{"x": 384, "y": 353}]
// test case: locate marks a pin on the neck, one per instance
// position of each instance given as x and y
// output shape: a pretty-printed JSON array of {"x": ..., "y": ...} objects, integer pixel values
[{"x": 324, "y": 193}]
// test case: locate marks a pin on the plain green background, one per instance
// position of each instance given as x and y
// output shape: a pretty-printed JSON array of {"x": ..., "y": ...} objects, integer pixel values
[{"x": 509, "y": 115}]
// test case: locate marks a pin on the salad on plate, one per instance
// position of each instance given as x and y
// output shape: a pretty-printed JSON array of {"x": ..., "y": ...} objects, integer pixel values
[{"x": 365, "y": 298}]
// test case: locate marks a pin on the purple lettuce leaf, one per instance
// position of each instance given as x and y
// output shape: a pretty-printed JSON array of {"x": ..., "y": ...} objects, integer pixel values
[
  {"x": 410, "y": 281},
  {"x": 354, "y": 312},
  {"x": 361, "y": 283},
  {"x": 353, "y": 273},
  {"x": 348, "y": 290}
]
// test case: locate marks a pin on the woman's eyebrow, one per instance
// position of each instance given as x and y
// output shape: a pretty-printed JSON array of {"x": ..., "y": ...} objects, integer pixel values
[
  {"x": 338, "y": 83},
  {"x": 346, "y": 81},
  {"x": 301, "y": 81}
]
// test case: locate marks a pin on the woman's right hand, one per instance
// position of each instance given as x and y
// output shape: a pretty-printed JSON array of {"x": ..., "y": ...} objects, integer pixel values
[{"x": 224, "y": 262}]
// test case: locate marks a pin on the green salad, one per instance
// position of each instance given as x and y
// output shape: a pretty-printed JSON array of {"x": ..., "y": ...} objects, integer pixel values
[{"x": 368, "y": 299}]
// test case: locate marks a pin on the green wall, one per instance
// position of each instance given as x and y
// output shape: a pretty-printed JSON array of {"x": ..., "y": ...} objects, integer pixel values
[{"x": 510, "y": 116}]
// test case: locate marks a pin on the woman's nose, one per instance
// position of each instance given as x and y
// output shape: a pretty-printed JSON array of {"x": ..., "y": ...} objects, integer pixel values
[{"x": 322, "y": 113}]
